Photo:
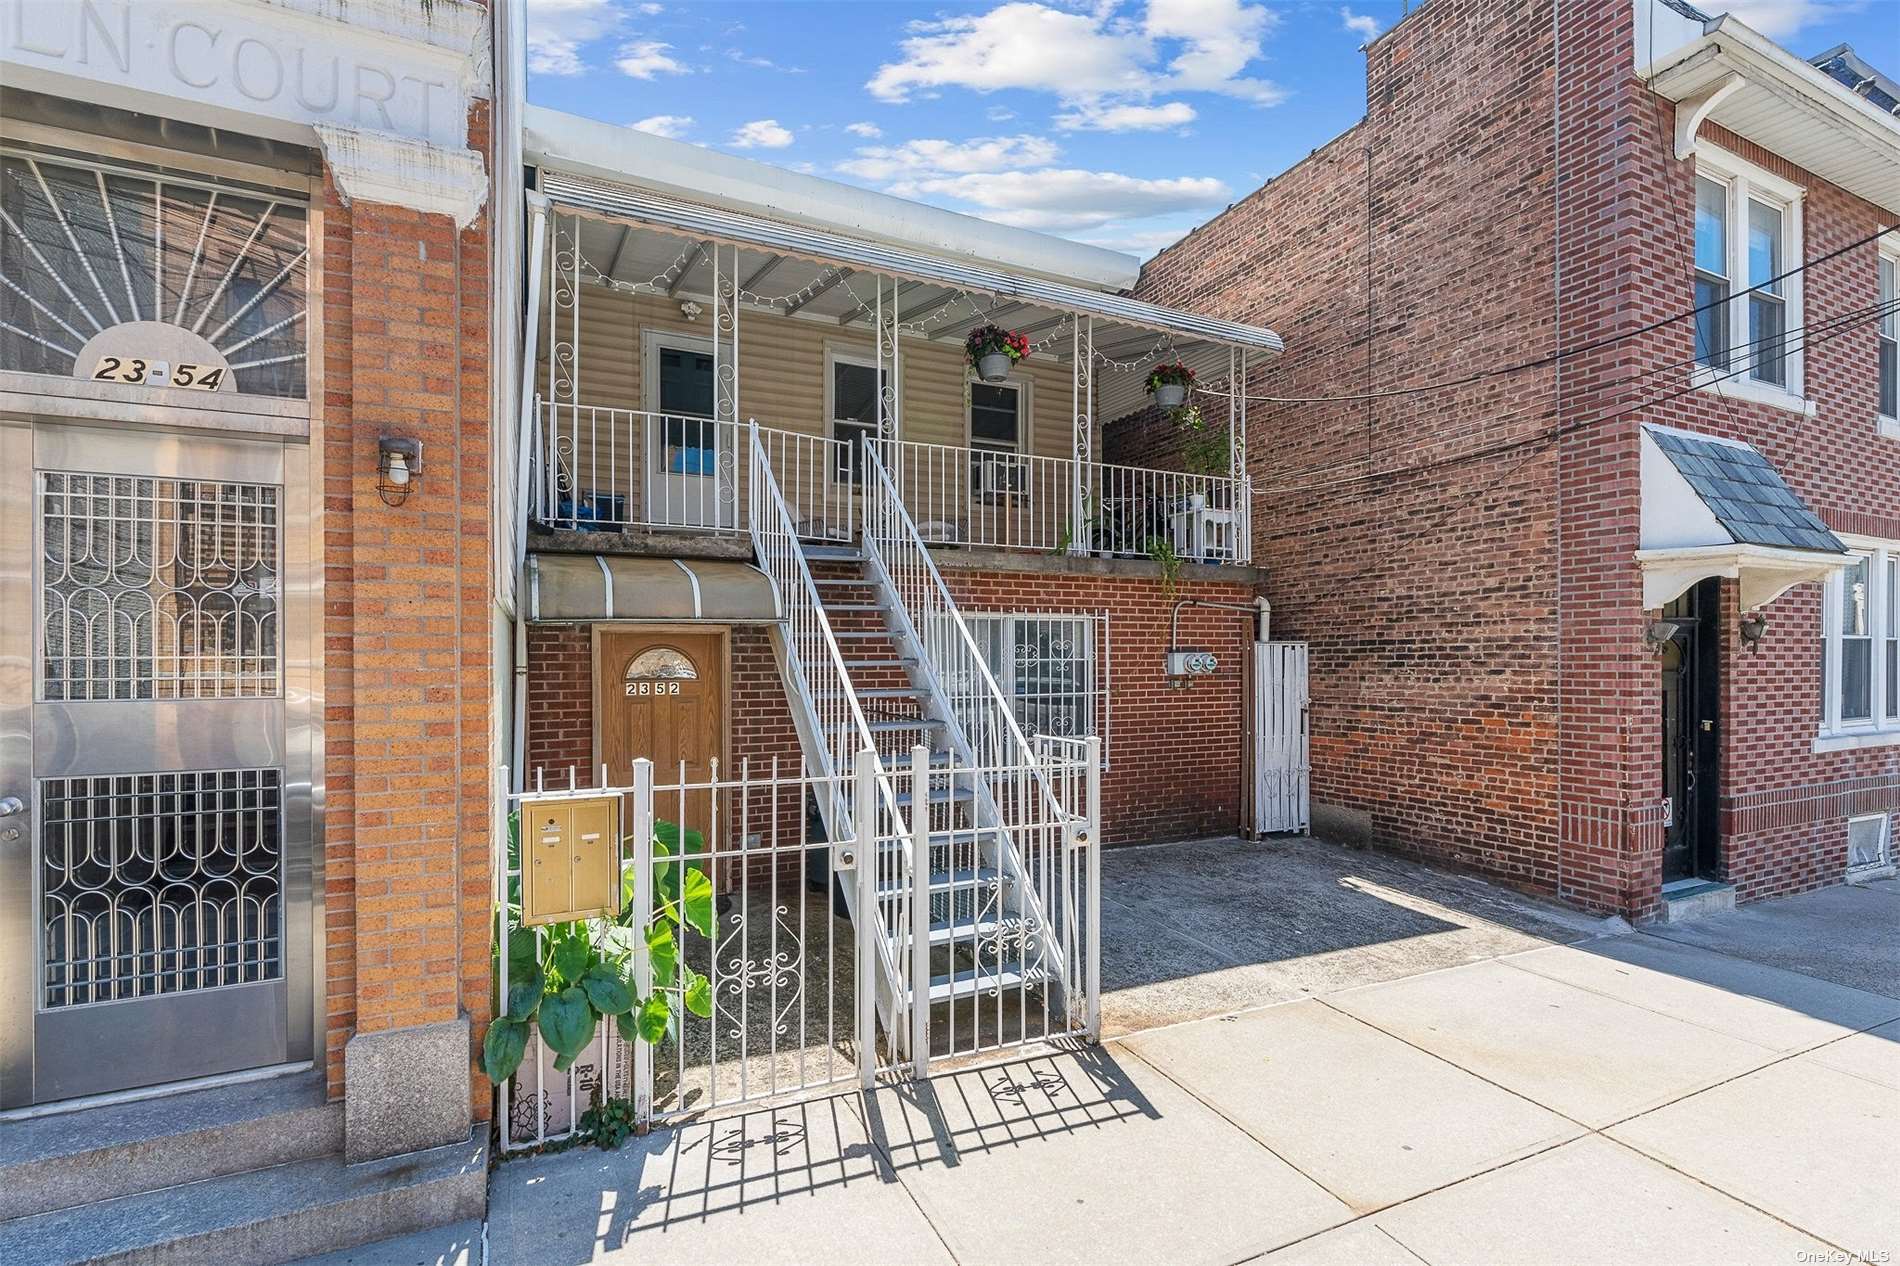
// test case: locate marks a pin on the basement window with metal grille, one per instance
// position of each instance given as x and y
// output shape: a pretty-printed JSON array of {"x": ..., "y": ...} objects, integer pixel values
[{"x": 1046, "y": 663}]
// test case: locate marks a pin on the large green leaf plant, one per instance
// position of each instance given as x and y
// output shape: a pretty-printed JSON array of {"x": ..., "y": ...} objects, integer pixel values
[{"x": 569, "y": 978}]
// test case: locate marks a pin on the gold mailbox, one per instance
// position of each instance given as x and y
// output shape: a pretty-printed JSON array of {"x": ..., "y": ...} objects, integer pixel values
[{"x": 570, "y": 863}]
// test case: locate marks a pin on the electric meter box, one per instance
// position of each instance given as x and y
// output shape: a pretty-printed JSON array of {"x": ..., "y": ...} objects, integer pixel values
[
  {"x": 570, "y": 862},
  {"x": 1191, "y": 663}
]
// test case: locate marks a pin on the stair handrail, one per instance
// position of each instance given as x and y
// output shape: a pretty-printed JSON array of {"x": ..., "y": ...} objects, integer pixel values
[
  {"x": 879, "y": 488},
  {"x": 775, "y": 543}
]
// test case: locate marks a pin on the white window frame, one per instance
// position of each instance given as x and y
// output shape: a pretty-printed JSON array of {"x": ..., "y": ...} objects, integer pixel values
[
  {"x": 1884, "y": 863},
  {"x": 1024, "y": 412},
  {"x": 835, "y": 356},
  {"x": 1881, "y": 728},
  {"x": 1094, "y": 687},
  {"x": 1888, "y": 424},
  {"x": 1746, "y": 182}
]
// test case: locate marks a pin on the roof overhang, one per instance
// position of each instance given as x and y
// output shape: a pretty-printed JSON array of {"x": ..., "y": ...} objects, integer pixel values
[
  {"x": 571, "y": 145},
  {"x": 1765, "y": 572},
  {"x": 588, "y": 587},
  {"x": 1704, "y": 498},
  {"x": 1733, "y": 76},
  {"x": 624, "y": 203}
]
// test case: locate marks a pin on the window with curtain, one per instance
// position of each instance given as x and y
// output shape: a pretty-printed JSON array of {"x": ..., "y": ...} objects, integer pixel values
[{"x": 1889, "y": 338}]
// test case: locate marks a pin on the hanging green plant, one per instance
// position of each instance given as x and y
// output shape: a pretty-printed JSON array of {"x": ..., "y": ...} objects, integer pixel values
[
  {"x": 568, "y": 978},
  {"x": 1161, "y": 551}
]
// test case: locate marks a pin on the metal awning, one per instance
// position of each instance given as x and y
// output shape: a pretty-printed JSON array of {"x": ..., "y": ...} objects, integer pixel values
[
  {"x": 567, "y": 587},
  {"x": 615, "y": 201},
  {"x": 1718, "y": 507}
]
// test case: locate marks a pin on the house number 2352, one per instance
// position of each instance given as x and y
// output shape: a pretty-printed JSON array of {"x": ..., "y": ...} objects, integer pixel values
[{"x": 653, "y": 688}]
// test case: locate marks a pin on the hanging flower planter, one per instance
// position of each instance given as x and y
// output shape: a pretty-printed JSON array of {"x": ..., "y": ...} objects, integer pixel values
[
  {"x": 1169, "y": 384},
  {"x": 991, "y": 350}
]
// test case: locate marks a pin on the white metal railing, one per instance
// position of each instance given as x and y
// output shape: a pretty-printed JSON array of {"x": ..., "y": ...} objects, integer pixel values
[
  {"x": 1010, "y": 813},
  {"x": 832, "y": 726},
  {"x": 604, "y": 469},
  {"x": 967, "y": 495},
  {"x": 789, "y": 972}
]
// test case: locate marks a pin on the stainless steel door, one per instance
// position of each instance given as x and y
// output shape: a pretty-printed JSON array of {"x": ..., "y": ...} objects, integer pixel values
[{"x": 155, "y": 747}]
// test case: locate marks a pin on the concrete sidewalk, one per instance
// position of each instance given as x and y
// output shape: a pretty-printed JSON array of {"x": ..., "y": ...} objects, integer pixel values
[{"x": 1656, "y": 1097}]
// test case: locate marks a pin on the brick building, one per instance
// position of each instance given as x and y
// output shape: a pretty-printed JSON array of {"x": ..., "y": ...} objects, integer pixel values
[
  {"x": 245, "y": 406},
  {"x": 775, "y": 516},
  {"x": 1532, "y": 590}
]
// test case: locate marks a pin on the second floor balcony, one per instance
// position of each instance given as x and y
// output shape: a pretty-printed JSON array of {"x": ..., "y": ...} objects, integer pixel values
[{"x": 666, "y": 332}]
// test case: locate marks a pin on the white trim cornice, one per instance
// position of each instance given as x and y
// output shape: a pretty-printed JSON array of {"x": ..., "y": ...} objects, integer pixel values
[{"x": 379, "y": 167}]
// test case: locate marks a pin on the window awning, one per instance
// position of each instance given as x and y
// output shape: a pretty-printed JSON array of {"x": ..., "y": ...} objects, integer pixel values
[
  {"x": 1717, "y": 507},
  {"x": 739, "y": 229},
  {"x": 565, "y": 587}
]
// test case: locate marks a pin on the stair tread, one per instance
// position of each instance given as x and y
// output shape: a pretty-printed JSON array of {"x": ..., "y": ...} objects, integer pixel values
[
  {"x": 940, "y": 795},
  {"x": 891, "y": 725},
  {"x": 974, "y": 980},
  {"x": 831, "y": 553},
  {"x": 290, "y": 1210},
  {"x": 116, "y": 1149},
  {"x": 963, "y": 928},
  {"x": 880, "y": 663},
  {"x": 855, "y": 606},
  {"x": 942, "y": 880}
]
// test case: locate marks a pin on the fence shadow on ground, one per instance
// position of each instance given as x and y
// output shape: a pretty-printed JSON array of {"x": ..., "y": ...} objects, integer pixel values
[{"x": 754, "y": 1173}]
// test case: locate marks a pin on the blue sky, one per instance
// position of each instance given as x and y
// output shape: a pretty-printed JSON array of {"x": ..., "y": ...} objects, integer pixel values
[{"x": 1120, "y": 122}]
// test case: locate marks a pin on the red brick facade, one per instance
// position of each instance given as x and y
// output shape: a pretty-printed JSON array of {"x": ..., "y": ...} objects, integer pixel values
[
  {"x": 1462, "y": 559},
  {"x": 1176, "y": 756},
  {"x": 407, "y": 609}
]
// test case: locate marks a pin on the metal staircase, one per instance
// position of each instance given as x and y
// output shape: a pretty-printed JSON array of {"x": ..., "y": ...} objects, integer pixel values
[{"x": 974, "y": 887}]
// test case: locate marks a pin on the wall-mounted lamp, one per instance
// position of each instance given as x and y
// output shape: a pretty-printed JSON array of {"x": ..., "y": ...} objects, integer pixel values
[
  {"x": 1754, "y": 627},
  {"x": 690, "y": 310},
  {"x": 398, "y": 467},
  {"x": 1661, "y": 633}
]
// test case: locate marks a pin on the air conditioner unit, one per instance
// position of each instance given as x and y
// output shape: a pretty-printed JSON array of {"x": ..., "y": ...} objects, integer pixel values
[{"x": 999, "y": 474}]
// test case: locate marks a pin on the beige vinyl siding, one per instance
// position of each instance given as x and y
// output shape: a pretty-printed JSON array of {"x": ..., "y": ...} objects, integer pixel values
[
  {"x": 782, "y": 370},
  {"x": 781, "y": 378}
]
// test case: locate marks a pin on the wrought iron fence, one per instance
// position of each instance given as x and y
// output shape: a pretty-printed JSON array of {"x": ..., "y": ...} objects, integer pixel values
[{"x": 790, "y": 970}]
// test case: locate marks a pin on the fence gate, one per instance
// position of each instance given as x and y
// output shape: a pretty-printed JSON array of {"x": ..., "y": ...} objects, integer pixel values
[{"x": 1280, "y": 801}]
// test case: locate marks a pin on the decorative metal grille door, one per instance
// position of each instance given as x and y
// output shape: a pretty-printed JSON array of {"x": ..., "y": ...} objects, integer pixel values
[{"x": 156, "y": 868}]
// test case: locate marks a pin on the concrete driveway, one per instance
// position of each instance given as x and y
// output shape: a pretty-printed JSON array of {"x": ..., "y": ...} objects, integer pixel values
[{"x": 1486, "y": 1082}]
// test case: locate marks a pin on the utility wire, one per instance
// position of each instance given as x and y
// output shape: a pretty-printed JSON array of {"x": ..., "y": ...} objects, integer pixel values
[
  {"x": 1546, "y": 437},
  {"x": 1299, "y": 480},
  {"x": 1580, "y": 349}
]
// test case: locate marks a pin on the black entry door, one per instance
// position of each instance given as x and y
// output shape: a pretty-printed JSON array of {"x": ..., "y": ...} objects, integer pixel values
[{"x": 1691, "y": 706}]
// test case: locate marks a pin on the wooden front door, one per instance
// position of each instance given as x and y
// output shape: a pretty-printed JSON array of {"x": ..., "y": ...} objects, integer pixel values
[{"x": 662, "y": 696}]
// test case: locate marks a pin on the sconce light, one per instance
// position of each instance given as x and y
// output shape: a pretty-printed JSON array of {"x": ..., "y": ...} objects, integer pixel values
[
  {"x": 1660, "y": 633},
  {"x": 690, "y": 310},
  {"x": 1754, "y": 628},
  {"x": 398, "y": 467}
]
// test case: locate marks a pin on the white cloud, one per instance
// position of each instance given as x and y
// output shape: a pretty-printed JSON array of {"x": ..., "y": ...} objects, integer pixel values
[
  {"x": 920, "y": 158},
  {"x": 761, "y": 134},
  {"x": 671, "y": 126},
  {"x": 558, "y": 28},
  {"x": 1010, "y": 47},
  {"x": 1106, "y": 59},
  {"x": 1096, "y": 117},
  {"x": 999, "y": 114},
  {"x": 1058, "y": 200},
  {"x": 1221, "y": 37},
  {"x": 643, "y": 59},
  {"x": 1139, "y": 242},
  {"x": 1360, "y": 24},
  {"x": 869, "y": 131},
  {"x": 651, "y": 10},
  {"x": 1778, "y": 19}
]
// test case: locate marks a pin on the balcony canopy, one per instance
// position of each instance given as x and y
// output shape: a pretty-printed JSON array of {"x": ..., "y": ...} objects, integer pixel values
[{"x": 796, "y": 259}]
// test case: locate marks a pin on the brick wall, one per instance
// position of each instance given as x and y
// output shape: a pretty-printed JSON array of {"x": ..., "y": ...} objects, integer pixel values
[
  {"x": 1176, "y": 764},
  {"x": 406, "y": 623},
  {"x": 1461, "y": 560}
]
